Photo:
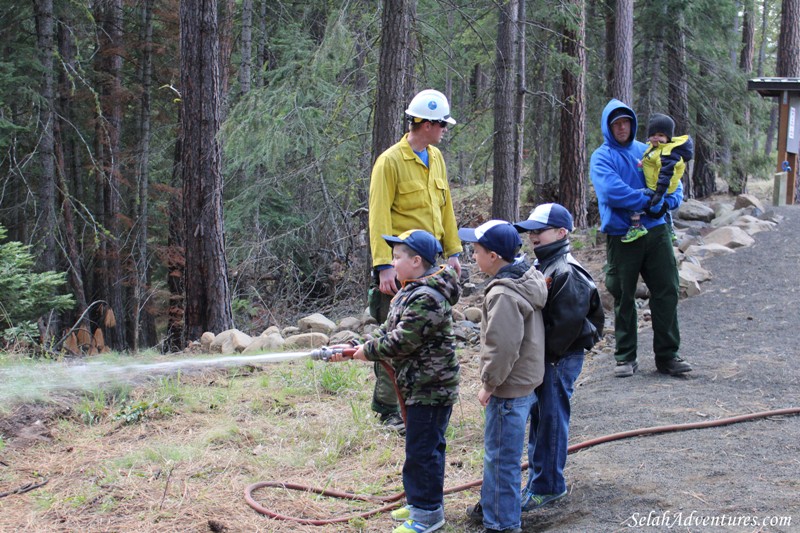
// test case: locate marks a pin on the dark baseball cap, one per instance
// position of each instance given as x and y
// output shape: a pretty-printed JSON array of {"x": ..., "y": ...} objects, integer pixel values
[
  {"x": 547, "y": 216},
  {"x": 498, "y": 236},
  {"x": 419, "y": 240}
]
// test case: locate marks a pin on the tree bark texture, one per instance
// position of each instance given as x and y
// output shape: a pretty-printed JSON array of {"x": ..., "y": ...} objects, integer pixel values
[
  {"x": 622, "y": 82},
  {"x": 572, "y": 167},
  {"x": 519, "y": 103},
  {"x": 678, "y": 94},
  {"x": 505, "y": 194},
  {"x": 109, "y": 16},
  {"x": 142, "y": 321},
  {"x": 208, "y": 305},
  {"x": 394, "y": 68},
  {"x": 748, "y": 37},
  {"x": 789, "y": 41},
  {"x": 247, "y": 46}
]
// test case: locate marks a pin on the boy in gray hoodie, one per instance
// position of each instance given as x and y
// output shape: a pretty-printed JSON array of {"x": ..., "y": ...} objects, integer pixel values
[{"x": 511, "y": 367}]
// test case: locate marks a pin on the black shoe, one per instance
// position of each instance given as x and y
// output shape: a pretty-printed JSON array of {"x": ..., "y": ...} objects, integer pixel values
[
  {"x": 673, "y": 367},
  {"x": 625, "y": 369},
  {"x": 394, "y": 422},
  {"x": 514, "y": 530},
  {"x": 475, "y": 513}
]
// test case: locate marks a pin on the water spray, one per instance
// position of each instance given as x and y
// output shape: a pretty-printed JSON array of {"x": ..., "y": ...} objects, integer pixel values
[{"x": 32, "y": 380}]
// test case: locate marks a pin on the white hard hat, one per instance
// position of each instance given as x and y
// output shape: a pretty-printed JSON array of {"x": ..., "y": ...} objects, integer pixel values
[{"x": 430, "y": 104}]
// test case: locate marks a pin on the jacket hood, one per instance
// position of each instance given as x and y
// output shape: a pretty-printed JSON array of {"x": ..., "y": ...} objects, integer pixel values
[
  {"x": 612, "y": 106},
  {"x": 514, "y": 270},
  {"x": 443, "y": 280},
  {"x": 525, "y": 286}
]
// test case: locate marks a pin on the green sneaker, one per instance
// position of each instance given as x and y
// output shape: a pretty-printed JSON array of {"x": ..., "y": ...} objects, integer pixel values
[
  {"x": 402, "y": 514},
  {"x": 634, "y": 232},
  {"x": 531, "y": 501},
  {"x": 412, "y": 526}
]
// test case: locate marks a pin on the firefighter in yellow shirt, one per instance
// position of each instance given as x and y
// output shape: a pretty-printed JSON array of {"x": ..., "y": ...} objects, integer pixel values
[{"x": 409, "y": 190}]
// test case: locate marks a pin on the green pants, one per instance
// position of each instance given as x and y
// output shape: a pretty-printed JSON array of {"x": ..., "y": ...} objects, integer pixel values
[
  {"x": 384, "y": 397},
  {"x": 653, "y": 258}
]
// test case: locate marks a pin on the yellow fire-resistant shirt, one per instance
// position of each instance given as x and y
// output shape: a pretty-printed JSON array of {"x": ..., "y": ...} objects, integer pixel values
[{"x": 404, "y": 194}]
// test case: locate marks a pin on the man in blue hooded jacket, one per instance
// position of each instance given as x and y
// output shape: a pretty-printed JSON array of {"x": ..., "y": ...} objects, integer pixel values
[{"x": 616, "y": 174}]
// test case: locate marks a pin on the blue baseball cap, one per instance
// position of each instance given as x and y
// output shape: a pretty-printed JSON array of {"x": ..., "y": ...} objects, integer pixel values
[
  {"x": 498, "y": 236},
  {"x": 419, "y": 240},
  {"x": 547, "y": 216}
]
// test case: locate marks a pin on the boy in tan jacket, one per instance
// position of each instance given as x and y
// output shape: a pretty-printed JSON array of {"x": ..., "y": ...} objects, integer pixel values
[{"x": 511, "y": 367}]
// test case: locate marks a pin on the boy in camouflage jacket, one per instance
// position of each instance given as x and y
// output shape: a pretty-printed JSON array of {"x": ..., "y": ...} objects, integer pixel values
[{"x": 418, "y": 340}]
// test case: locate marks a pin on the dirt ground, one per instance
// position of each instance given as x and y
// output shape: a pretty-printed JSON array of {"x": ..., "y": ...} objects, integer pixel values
[{"x": 740, "y": 334}]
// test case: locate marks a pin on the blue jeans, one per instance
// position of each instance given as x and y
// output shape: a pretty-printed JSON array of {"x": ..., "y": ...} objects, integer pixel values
[
  {"x": 423, "y": 471},
  {"x": 503, "y": 441},
  {"x": 549, "y": 436}
]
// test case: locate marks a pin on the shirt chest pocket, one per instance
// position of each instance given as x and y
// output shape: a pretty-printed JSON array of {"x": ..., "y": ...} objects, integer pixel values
[{"x": 411, "y": 195}]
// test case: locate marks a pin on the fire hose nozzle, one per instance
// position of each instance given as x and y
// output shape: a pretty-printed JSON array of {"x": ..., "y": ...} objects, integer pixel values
[{"x": 325, "y": 353}]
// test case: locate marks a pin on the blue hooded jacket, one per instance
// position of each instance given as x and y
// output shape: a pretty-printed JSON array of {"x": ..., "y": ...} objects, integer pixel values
[{"x": 616, "y": 173}]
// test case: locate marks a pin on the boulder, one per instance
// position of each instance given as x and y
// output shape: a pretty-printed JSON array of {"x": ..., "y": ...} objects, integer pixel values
[
  {"x": 342, "y": 337},
  {"x": 239, "y": 341},
  {"x": 313, "y": 339},
  {"x": 693, "y": 272},
  {"x": 457, "y": 315},
  {"x": 694, "y": 210},
  {"x": 730, "y": 218},
  {"x": 316, "y": 323},
  {"x": 473, "y": 314},
  {"x": 205, "y": 341},
  {"x": 288, "y": 331},
  {"x": 349, "y": 323},
  {"x": 265, "y": 343},
  {"x": 729, "y": 236},
  {"x": 219, "y": 342},
  {"x": 748, "y": 200},
  {"x": 707, "y": 250},
  {"x": 751, "y": 225},
  {"x": 270, "y": 330}
]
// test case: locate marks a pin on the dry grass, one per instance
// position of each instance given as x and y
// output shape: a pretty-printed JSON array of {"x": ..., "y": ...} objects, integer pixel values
[{"x": 201, "y": 439}]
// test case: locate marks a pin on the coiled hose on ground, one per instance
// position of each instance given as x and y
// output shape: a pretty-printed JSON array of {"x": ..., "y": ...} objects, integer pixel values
[{"x": 390, "y": 502}]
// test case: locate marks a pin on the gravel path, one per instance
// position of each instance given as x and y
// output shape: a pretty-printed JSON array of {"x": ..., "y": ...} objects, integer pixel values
[{"x": 740, "y": 334}]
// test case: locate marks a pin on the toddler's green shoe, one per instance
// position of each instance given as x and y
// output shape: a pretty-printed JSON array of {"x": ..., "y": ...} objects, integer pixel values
[
  {"x": 634, "y": 232},
  {"x": 402, "y": 514},
  {"x": 412, "y": 526}
]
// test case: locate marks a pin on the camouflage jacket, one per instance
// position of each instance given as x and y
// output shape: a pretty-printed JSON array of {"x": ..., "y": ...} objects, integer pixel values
[{"x": 418, "y": 339}]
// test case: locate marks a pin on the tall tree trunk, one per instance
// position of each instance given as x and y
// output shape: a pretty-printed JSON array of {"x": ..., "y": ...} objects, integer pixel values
[
  {"x": 142, "y": 320},
  {"x": 622, "y": 82},
  {"x": 394, "y": 71},
  {"x": 227, "y": 9},
  {"x": 748, "y": 37},
  {"x": 703, "y": 178},
  {"x": 46, "y": 217},
  {"x": 679, "y": 83},
  {"x": 519, "y": 104},
  {"x": 109, "y": 17},
  {"x": 247, "y": 46},
  {"x": 610, "y": 8},
  {"x": 208, "y": 302},
  {"x": 67, "y": 171},
  {"x": 175, "y": 259},
  {"x": 572, "y": 167},
  {"x": 505, "y": 194}
]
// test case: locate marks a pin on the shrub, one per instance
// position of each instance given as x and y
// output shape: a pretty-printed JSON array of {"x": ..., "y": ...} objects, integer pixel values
[{"x": 26, "y": 295}]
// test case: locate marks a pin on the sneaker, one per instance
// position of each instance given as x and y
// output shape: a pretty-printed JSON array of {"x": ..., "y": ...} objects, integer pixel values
[
  {"x": 531, "y": 501},
  {"x": 674, "y": 366},
  {"x": 475, "y": 513},
  {"x": 394, "y": 422},
  {"x": 634, "y": 232},
  {"x": 412, "y": 526},
  {"x": 402, "y": 514},
  {"x": 625, "y": 369}
]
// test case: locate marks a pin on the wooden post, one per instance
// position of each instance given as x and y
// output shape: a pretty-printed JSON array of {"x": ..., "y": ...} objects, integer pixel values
[{"x": 779, "y": 189}]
